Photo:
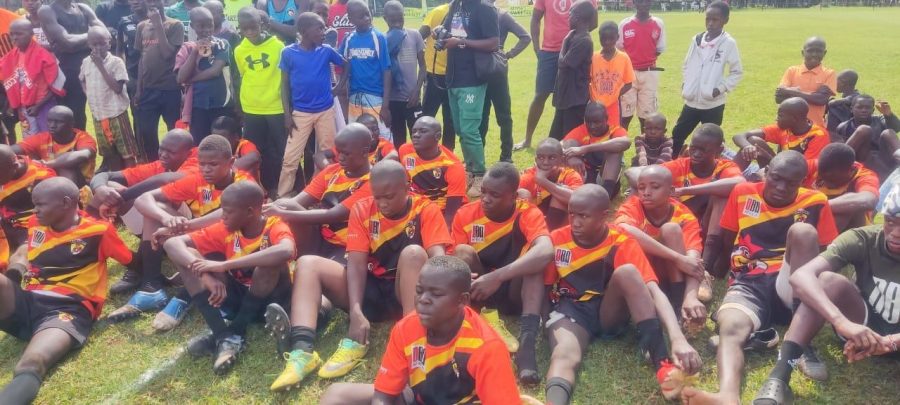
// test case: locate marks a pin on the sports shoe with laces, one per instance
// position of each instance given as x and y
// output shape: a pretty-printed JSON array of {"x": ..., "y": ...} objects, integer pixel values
[
  {"x": 139, "y": 303},
  {"x": 348, "y": 355},
  {"x": 811, "y": 366},
  {"x": 279, "y": 326},
  {"x": 299, "y": 364},
  {"x": 171, "y": 316},
  {"x": 227, "y": 351},
  {"x": 493, "y": 318},
  {"x": 131, "y": 280}
]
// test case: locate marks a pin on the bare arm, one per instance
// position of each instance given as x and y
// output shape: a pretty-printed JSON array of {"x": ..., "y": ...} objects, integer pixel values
[
  {"x": 268, "y": 258},
  {"x": 682, "y": 352},
  {"x": 152, "y": 183},
  {"x": 615, "y": 145},
  {"x": 453, "y": 204},
  {"x": 519, "y": 31},
  {"x": 180, "y": 252},
  {"x": 58, "y": 36},
  {"x": 853, "y": 202},
  {"x": 818, "y": 97},
  {"x": 536, "y": 17},
  {"x": 718, "y": 188},
  {"x": 148, "y": 205},
  {"x": 381, "y": 398},
  {"x": 807, "y": 288},
  {"x": 742, "y": 140},
  {"x": 70, "y": 159},
  {"x": 690, "y": 263},
  {"x": 559, "y": 192},
  {"x": 248, "y": 162}
]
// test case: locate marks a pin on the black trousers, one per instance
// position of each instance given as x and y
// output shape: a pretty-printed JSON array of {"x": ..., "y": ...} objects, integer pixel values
[
  {"x": 267, "y": 133},
  {"x": 402, "y": 120},
  {"x": 497, "y": 94},
  {"x": 75, "y": 99},
  {"x": 689, "y": 119},
  {"x": 436, "y": 97},
  {"x": 202, "y": 119},
  {"x": 565, "y": 120},
  {"x": 153, "y": 105}
]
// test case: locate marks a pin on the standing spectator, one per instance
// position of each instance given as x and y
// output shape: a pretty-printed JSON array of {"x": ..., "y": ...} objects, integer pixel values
[
  {"x": 110, "y": 12},
  {"x": 339, "y": 19},
  {"x": 573, "y": 82},
  {"x": 705, "y": 82},
  {"x": 181, "y": 11},
  {"x": 158, "y": 95},
  {"x": 497, "y": 93},
  {"x": 810, "y": 81},
  {"x": 281, "y": 18},
  {"x": 368, "y": 68},
  {"x": 200, "y": 67},
  {"x": 31, "y": 8},
  {"x": 555, "y": 14},
  {"x": 407, "y": 51},
  {"x": 643, "y": 38},
  {"x": 66, "y": 22},
  {"x": 611, "y": 73},
  {"x": 8, "y": 119},
  {"x": 225, "y": 31},
  {"x": 473, "y": 28},
  {"x": 257, "y": 58},
  {"x": 436, "y": 81},
  {"x": 125, "y": 47}
]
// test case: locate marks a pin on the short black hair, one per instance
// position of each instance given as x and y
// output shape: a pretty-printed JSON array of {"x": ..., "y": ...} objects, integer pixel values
[
  {"x": 582, "y": 8},
  {"x": 863, "y": 96},
  {"x": 357, "y": 3},
  {"x": 711, "y": 131},
  {"x": 505, "y": 171},
  {"x": 249, "y": 13},
  {"x": 306, "y": 19},
  {"x": 850, "y": 76},
  {"x": 609, "y": 25},
  {"x": 722, "y": 7},
  {"x": 456, "y": 268},
  {"x": 215, "y": 143},
  {"x": 247, "y": 193},
  {"x": 553, "y": 142},
  {"x": 227, "y": 124},
  {"x": 836, "y": 155}
]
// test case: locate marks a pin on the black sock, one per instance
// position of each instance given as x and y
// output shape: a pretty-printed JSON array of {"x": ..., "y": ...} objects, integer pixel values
[
  {"x": 22, "y": 389},
  {"x": 650, "y": 339},
  {"x": 712, "y": 246},
  {"x": 788, "y": 355},
  {"x": 211, "y": 315},
  {"x": 183, "y": 295},
  {"x": 526, "y": 359},
  {"x": 250, "y": 309},
  {"x": 302, "y": 338},
  {"x": 676, "y": 297},
  {"x": 611, "y": 187},
  {"x": 152, "y": 267},
  {"x": 558, "y": 391},
  {"x": 555, "y": 218}
]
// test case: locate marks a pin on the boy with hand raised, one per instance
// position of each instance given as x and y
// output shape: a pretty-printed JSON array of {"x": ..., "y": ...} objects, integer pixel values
[
  {"x": 549, "y": 183},
  {"x": 810, "y": 81},
  {"x": 873, "y": 137},
  {"x": 792, "y": 130}
]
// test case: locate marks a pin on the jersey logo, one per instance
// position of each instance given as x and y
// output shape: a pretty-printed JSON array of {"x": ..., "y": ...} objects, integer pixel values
[
  {"x": 628, "y": 34},
  {"x": 752, "y": 207},
  {"x": 563, "y": 257},
  {"x": 437, "y": 172},
  {"x": 263, "y": 60},
  {"x": 65, "y": 317},
  {"x": 264, "y": 244},
  {"x": 417, "y": 357},
  {"x": 77, "y": 246},
  {"x": 410, "y": 163},
  {"x": 477, "y": 233},
  {"x": 410, "y": 229},
  {"x": 885, "y": 300},
  {"x": 801, "y": 215},
  {"x": 237, "y": 245},
  {"x": 206, "y": 196},
  {"x": 38, "y": 238},
  {"x": 375, "y": 227}
]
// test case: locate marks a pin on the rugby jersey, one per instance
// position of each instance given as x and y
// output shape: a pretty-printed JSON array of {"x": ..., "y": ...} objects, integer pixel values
[
  {"x": 383, "y": 238},
  {"x": 200, "y": 196},
  {"x": 141, "y": 172},
  {"x": 583, "y": 137},
  {"x": 761, "y": 230},
  {"x": 217, "y": 238},
  {"x": 332, "y": 187},
  {"x": 631, "y": 212},
  {"x": 473, "y": 368},
  {"x": 15, "y": 195},
  {"x": 244, "y": 148},
  {"x": 498, "y": 243},
  {"x": 863, "y": 180},
  {"x": 810, "y": 144},
  {"x": 41, "y": 146},
  {"x": 376, "y": 155},
  {"x": 540, "y": 197},
  {"x": 73, "y": 262},
  {"x": 684, "y": 176},
  {"x": 438, "y": 178}
]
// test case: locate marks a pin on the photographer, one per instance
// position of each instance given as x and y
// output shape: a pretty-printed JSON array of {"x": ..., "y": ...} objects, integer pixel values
[{"x": 469, "y": 29}]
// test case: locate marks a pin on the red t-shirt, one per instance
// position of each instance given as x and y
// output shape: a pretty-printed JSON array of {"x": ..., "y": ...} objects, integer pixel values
[
  {"x": 200, "y": 196},
  {"x": 556, "y": 22},
  {"x": 498, "y": 243},
  {"x": 809, "y": 144},
  {"x": 631, "y": 212},
  {"x": 642, "y": 40},
  {"x": 332, "y": 187},
  {"x": 438, "y": 178},
  {"x": 217, "y": 238},
  {"x": 339, "y": 20},
  {"x": 41, "y": 146}
]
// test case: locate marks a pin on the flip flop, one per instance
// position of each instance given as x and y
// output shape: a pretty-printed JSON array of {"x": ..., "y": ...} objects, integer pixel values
[{"x": 774, "y": 392}]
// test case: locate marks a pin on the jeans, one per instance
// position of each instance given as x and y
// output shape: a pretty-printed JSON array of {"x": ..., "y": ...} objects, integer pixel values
[
  {"x": 497, "y": 94},
  {"x": 153, "y": 105},
  {"x": 467, "y": 105},
  {"x": 402, "y": 120},
  {"x": 267, "y": 133},
  {"x": 689, "y": 119},
  {"x": 202, "y": 119},
  {"x": 436, "y": 96}
]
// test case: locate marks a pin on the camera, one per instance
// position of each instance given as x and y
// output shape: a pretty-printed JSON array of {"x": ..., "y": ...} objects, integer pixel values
[{"x": 441, "y": 35}]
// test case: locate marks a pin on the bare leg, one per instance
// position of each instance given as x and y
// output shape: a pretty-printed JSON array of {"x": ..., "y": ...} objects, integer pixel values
[
  {"x": 348, "y": 394},
  {"x": 734, "y": 329},
  {"x": 568, "y": 342},
  {"x": 806, "y": 322},
  {"x": 412, "y": 258},
  {"x": 7, "y": 297},
  {"x": 626, "y": 289},
  {"x": 712, "y": 245},
  {"x": 470, "y": 256},
  {"x": 534, "y": 116},
  {"x": 861, "y": 142},
  {"x": 45, "y": 349},
  {"x": 316, "y": 276},
  {"x": 612, "y": 167}
]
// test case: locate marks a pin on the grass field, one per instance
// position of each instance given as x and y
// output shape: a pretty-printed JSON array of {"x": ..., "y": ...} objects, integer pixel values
[{"x": 130, "y": 364}]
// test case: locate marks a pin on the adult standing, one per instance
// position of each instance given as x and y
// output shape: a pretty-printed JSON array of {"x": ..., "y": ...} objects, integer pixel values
[
  {"x": 31, "y": 8},
  {"x": 8, "y": 124},
  {"x": 110, "y": 12},
  {"x": 643, "y": 38},
  {"x": 436, "y": 80},
  {"x": 66, "y": 24},
  {"x": 498, "y": 87},
  {"x": 281, "y": 17},
  {"x": 158, "y": 94},
  {"x": 125, "y": 47},
  {"x": 474, "y": 33}
]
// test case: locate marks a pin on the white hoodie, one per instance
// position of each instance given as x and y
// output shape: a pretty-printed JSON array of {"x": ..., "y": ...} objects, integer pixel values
[{"x": 704, "y": 70}]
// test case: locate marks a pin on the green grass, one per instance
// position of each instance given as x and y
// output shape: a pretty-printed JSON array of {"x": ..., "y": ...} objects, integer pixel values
[{"x": 107, "y": 369}]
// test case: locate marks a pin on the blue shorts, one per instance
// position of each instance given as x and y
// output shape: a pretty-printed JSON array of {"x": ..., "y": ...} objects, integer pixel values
[{"x": 547, "y": 65}]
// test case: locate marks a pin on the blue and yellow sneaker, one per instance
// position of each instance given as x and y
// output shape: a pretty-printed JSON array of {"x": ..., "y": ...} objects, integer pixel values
[
  {"x": 348, "y": 355},
  {"x": 299, "y": 365},
  {"x": 139, "y": 303}
]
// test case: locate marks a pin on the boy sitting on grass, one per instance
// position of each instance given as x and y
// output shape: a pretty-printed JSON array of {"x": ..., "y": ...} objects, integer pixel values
[
  {"x": 792, "y": 131},
  {"x": 434, "y": 171},
  {"x": 873, "y": 137},
  {"x": 595, "y": 148},
  {"x": 18, "y": 176},
  {"x": 67, "y": 150},
  {"x": 235, "y": 266},
  {"x": 652, "y": 147},
  {"x": 549, "y": 183},
  {"x": 851, "y": 188},
  {"x": 246, "y": 154},
  {"x": 602, "y": 280},
  {"x": 838, "y": 109},
  {"x": 379, "y": 149}
]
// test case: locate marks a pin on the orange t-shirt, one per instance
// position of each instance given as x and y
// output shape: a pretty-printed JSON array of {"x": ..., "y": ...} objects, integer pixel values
[
  {"x": 217, "y": 238},
  {"x": 498, "y": 243},
  {"x": 332, "y": 187},
  {"x": 809, "y": 144},
  {"x": 15, "y": 196},
  {"x": 6, "y": 19},
  {"x": 472, "y": 368},
  {"x": 384, "y": 238},
  {"x": 41, "y": 146},
  {"x": 139, "y": 173},
  {"x": 438, "y": 178},
  {"x": 683, "y": 176},
  {"x": 761, "y": 230},
  {"x": 607, "y": 79},
  {"x": 200, "y": 196},
  {"x": 631, "y": 212},
  {"x": 581, "y": 135},
  {"x": 540, "y": 196},
  {"x": 809, "y": 81}
]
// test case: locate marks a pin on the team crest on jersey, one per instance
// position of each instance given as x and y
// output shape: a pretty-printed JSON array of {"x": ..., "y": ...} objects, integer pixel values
[
  {"x": 236, "y": 247},
  {"x": 563, "y": 257},
  {"x": 801, "y": 215},
  {"x": 375, "y": 228},
  {"x": 740, "y": 257},
  {"x": 65, "y": 317},
  {"x": 752, "y": 207},
  {"x": 437, "y": 172},
  {"x": 264, "y": 244},
  {"x": 206, "y": 196},
  {"x": 38, "y": 238},
  {"x": 77, "y": 246},
  {"x": 477, "y": 235},
  {"x": 355, "y": 186},
  {"x": 410, "y": 163},
  {"x": 410, "y": 229},
  {"x": 686, "y": 182},
  {"x": 417, "y": 358}
]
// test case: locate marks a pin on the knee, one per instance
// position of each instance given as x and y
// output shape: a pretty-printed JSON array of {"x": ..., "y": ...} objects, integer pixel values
[
  {"x": 306, "y": 266},
  {"x": 565, "y": 357},
  {"x": 833, "y": 283},
  {"x": 863, "y": 131},
  {"x": 671, "y": 233},
  {"x": 888, "y": 135},
  {"x": 333, "y": 395},
  {"x": 465, "y": 252},
  {"x": 802, "y": 232},
  {"x": 413, "y": 254},
  {"x": 626, "y": 276},
  {"x": 734, "y": 328},
  {"x": 32, "y": 363}
]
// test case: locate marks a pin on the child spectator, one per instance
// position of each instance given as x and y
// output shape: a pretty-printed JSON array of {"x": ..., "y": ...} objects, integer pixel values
[
  {"x": 652, "y": 147},
  {"x": 379, "y": 149},
  {"x": 307, "y": 95},
  {"x": 407, "y": 51},
  {"x": 369, "y": 72},
  {"x": 839, "y": 108},
  {"x": 208, "y": 94},
  {"x": 643, "y": 38},
  {"x": 103, "y": 77},
  {"x": 339, "y": 19},
  {"x": 595, "y": 149},
  {"x": 611, "y": 72},
  {"x": 31, "y": 78},
  {"x": 549, "y": 183},
  {"x": 810, "y": 81},
  {"x": 280, "y": 15},
  {"x": 571, "y": 93},
  {"x": 873, "y": 137}
]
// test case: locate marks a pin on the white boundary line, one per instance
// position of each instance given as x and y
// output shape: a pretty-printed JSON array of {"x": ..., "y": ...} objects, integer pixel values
[{"x": 145, "y": 378}]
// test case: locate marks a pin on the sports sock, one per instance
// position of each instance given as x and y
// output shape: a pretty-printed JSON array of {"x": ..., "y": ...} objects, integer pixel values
[
  {"x": 711, "y": 248},
  {"x": 302, "y": 338},
  {"x": 558, "y": 391},
  {"x": 22, "y": 389},
  {"x": 211, "y": 315},
  {"x": 526, "y": 359},
  {"x": 650, "y": 339},
  {"x": 250, "y": 309},
  {"x": 183, "y": 295},
  {"x": 611, "y": 187},
  {"x": 555, "y": 218},
  {"x": 788, "y": 355},
  {"x": 152, "y": 267},
  {"x": 676, "y": 296}
]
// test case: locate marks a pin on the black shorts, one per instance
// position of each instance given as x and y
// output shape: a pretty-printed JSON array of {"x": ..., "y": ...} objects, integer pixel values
[
  {"x": 501, "y": 301},
  {"x": 36, "y": 312},
  {"x": 334, "y": 252},
  {"x": 585, "y": 314},
  {"x": 876, "y": 322},
  {"x": 236, "y": 292},
  {"x": 758, "y": 299},
  {"x": 380, "y": 301}
]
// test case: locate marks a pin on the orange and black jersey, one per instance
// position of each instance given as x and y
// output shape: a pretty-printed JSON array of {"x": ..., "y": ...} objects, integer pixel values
[
  {"x": 565, "y": 176},
  {"x": 72, "y": 263},
  {"x": 498, "y": 243},
  {"x": 582, "y": 273},
  {"x": 631, "y": 212},
  {"x": 810, "y": 144},
  {"x": 383, "y": 238},
  {"x": 141, "y": 172},
  {"x": 15, "y": 195},
  {"x": 332, "y": 187},
  {"x": 376, "y": 155},
  {"x": 200, "y": 196},
  {"x": 761, "y": 230},
  {"x": 438, "y": 178},
  {"x": 863, "y": 180},
  {"x": 218, "y": 239},
  {"x": 473, "y": 368},
  {"x": 683, "y": 176}
]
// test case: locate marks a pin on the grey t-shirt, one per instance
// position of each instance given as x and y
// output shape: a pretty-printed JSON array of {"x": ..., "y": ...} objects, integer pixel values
[{"x": 404, "y": 84}]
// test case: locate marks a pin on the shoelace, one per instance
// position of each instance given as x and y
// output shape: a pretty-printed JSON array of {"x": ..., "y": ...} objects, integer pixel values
[
  {"x": 344, "y": 353},
  {"x": 297, "y": 360}
]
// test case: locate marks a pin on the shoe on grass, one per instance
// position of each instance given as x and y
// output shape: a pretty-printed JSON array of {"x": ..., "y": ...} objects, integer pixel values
[
  {"x": 299, "y": 364},
  {"x": 348, "y": 355},
  {"x": 774, "y": 392},
  {"x": 227, "y": 351},
  {"x": 811, "y": 366},
  {"x": 171, "y": 316},
  {"x": 493, "y": 318},
  {"x": 279, "y": 326},
  {"x": 202, "y": 345},
  {"x": 139, "y": 303},
  {"x": 130, "y": 281}
]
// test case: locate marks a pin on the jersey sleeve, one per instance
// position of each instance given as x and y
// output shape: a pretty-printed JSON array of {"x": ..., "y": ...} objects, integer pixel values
[
  {"x": 816, "y": 144},
  {"x": 867, "y": 182},
  {"x": 773, "y": 134},
  {"x": 618, "y": 133},
  {"x": 357, "y": 231},
  {"x": 456, "y": 180},
  {"x": 493, "y": 372},
  {"x": 113, "y": 247},
  {"x": 336, "y": 58},
  {"x": 572, "y": 180},
  {"x": 730, "y": 213},
  {"x": 629, "y": 252},
  {"x": 434, "y": 227},
  {"x": 183, "y": 189},
  {"x": 787, "y": 78},
  {"x": 457, "y": 231},
  {"x": 31, "y": 145},
  {"x": 393, "y": 375},
  {"x": 139, "y": 173},
  {"x": 629, "y": 213},
  {"x": 384, "y": 57},
  {"x": 284, "y": 62},
  {"x": 210, "y": 239},
  {"x": 533, "y": 224},
  {"x": 676, "y": 168},
  {"x": 318, "y": 184},
  {"x": 526, "y": 180},
  {"x": 729, "y": 170},
  {"x": 848, "y": 248},
  {"x": 247, "y": 147},
  {"x": 85, "y": 142},
  {"x": 826, "y": 226},
  {"x": 690, "y": 231},
  {"x": 281, "y": 231}
]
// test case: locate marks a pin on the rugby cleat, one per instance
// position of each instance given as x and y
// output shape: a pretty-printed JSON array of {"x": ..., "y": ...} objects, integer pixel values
[
  {"x": 139, "y": 303},
  {"x": 171, "y": 316},
  {"x": 202, "y": 345},
  {"x": 130, "y": 281},
  {"x": 279, "y": 326},
  {"x": 493, "y": 318},
  {"x": 227, "y": 351},
  {"x": 299, "y": 365},
  {"x": 348, "y": 355}
]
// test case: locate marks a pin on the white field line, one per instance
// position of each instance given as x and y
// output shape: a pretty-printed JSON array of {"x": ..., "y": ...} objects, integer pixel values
[{"x": 145, "y": 378}]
